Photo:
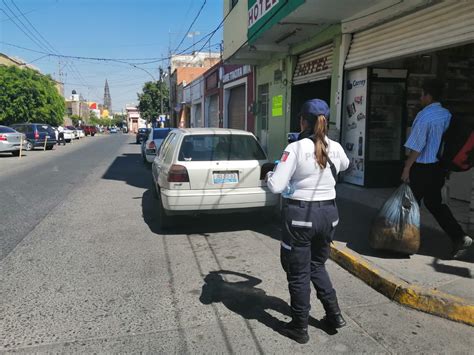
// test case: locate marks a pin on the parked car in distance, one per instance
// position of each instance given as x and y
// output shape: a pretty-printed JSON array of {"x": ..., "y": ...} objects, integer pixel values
[
  {"x": 153, "y": 142},
  {"x": 113, "y": 130},
  {"x": 142, "y": 134},
  {"x": 37, "y": 134},
  {"x": 10, "y": 140},
  {"x": 210, "y": 170},
  {"x": 73, "y": 130},
  {"x": 80, "y": 132},
  {"x": 68, "y": 135},
  {"x": 89, "y": 130}
]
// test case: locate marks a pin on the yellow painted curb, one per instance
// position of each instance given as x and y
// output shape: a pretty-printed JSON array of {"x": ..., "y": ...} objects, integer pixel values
[{"x": 420, "y": 298}]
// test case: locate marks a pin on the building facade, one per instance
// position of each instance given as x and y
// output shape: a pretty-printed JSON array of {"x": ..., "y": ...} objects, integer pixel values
[
  {"x": 367, "y": 59},
  {"x": 134, "y": 120}
]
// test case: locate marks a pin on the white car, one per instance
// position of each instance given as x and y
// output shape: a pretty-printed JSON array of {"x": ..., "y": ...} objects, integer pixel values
[
  {"x": 69, "y": 135},
  {"x": 208, "y": 170},
  {"x": 80, "y": 132},
  {"x": 152, "y": 144}
]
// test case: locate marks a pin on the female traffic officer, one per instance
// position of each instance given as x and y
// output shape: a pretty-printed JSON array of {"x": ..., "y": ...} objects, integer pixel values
[{"x": 307, "y": 173}]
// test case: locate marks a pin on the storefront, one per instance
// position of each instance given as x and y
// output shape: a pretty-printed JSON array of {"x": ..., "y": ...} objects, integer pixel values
[
  {"x": 212, "y": 117},
  {"x": 384, "y": 72},
  {"x": 196, "y": 88},
  {"x": 311, "y": 79},
  {"x": 238, "y": 97}
]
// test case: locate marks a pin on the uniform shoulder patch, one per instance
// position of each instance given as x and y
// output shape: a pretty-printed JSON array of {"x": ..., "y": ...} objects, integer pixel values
[{"x": 284, "y": 156}]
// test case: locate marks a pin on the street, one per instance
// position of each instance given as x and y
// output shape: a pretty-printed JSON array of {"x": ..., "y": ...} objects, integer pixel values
[{"x": 83, "y": 268}]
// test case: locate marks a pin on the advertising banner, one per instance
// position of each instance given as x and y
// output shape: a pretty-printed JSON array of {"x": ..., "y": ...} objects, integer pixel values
[{"x": 354, "y": 123}]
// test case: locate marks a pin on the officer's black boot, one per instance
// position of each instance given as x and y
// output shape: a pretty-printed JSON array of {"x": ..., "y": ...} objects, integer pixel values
[
  {"x": 333, "y": 314},
  {"x": 292, "y": 331}
]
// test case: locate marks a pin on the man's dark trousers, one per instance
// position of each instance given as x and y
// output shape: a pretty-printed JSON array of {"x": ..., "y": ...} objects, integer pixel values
[
  {"x": 426, "y": 181},
  {"x": 308, "y": 229},
  {"x": 61, "y": 138}
]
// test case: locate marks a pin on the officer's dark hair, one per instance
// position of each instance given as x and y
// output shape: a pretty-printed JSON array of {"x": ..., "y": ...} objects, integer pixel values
[
  {"x": 310, "y": 119},
  {"x": 433, "y": 87}
]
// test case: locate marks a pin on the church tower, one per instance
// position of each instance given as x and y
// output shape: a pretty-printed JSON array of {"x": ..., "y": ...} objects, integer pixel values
[{"x": 107, "y": 99}]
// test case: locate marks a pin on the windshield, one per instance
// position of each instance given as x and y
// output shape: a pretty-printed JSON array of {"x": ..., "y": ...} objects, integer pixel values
[
  {"x": 160, "y": 133},
  {"x": 220, "y": 147}
]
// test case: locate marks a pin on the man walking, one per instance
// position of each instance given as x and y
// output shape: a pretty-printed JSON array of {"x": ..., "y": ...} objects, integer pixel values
[
  {"x": 61, "y": 135},
  {"x": 422, "y": 168}
]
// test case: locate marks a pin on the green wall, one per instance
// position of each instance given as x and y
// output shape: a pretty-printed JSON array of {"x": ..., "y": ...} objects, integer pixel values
[{"x": 279, "y": 126}]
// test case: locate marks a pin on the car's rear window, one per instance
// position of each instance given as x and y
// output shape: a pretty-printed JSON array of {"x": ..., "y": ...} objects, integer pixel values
[
  {"x": 7, "y": 130},
  {"x": 220, "y": 147},
  {"x": 142, "y": 130},
  {"x": 160, "y": 133},
  {"x": 45, "y": 129}
]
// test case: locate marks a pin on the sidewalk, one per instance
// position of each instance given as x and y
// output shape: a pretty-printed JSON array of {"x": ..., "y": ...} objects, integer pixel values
[{"x": 428, "y": 281}]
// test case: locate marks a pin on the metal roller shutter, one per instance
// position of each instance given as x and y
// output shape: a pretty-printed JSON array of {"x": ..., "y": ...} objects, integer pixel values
[
  {"x": 443, "y": 25},
  {"x": 314, "y": 66},
  {"x": 237, "y": 108},
  {"x": 213, "y": 111}
]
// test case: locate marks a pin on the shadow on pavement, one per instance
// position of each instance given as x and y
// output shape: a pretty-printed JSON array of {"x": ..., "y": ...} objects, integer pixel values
[
  {"x": 130, "y": 169},
  {"x": 354, "y": 228},
  {"x": 247, "y": 300},
  {"x": 204, "y": 224}
]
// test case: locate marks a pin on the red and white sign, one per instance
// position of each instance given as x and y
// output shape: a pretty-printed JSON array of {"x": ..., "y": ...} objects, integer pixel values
[{"x": 259, "y": 9}]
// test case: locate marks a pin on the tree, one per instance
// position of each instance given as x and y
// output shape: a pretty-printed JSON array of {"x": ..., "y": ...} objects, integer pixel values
[
  {"x": 153, "y": 96},
  {"x": 29, "y": 96},
  {"x": 75, "y": 120}
]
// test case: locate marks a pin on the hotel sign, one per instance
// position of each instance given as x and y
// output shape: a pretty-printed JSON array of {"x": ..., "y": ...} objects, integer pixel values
[{"x": 259, "y": 9}]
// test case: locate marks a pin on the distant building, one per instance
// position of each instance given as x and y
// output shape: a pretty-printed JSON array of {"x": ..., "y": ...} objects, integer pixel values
[
  {"x": 134, "y": 120},
  {"x": 183, "y": 70},
  {"x": 76, "y": 105}
]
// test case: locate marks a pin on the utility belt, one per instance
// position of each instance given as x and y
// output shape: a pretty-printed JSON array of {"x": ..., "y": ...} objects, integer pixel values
[{"x": 310, "y": 203}]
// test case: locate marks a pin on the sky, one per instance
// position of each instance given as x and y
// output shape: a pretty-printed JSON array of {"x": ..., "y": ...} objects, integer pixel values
[{"x": 136, "y": 34}]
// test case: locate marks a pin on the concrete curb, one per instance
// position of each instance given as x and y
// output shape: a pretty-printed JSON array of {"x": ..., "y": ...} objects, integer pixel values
[{"x": 420, "y": 298}]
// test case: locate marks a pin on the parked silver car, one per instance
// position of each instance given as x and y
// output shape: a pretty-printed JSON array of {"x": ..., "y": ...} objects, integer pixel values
[{"x": 10, "y": 140}]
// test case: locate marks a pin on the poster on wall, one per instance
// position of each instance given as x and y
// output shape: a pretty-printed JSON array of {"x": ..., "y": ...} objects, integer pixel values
[{"x": 354, "y": 123}]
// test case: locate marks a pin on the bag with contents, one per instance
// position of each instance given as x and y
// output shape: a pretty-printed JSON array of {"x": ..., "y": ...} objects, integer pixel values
[{"x": 397, "y": 225}]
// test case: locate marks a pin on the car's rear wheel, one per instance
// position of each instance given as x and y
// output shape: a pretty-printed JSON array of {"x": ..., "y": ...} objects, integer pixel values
[
  {"x": 68, "y": 140},
  {"x": 29, "y": 146},
  {"x": 49, "y": 147},
  {"x": 16, "y": 153}
]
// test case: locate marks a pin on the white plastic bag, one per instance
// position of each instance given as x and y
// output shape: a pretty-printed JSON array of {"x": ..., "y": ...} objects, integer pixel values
[{"x": 397, "y": 225}]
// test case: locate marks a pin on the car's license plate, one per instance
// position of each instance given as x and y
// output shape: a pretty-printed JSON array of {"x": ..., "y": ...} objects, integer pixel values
[{"x": 228, "y": 177}]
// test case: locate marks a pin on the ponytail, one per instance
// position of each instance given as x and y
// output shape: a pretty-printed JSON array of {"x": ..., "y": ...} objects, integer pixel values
[{"x": 320, "y": 144}]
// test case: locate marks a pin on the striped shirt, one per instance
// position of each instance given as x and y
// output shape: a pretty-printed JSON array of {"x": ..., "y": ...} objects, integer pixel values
[{"x": 427, "y": 132}]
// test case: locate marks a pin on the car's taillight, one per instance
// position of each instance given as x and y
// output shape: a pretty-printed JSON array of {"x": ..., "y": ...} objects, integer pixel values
[
  {"x": 37, "y": 135},
  {"x": 178, "y": 173},
  {"x": 3, "y": 137},
  {"x": 152, "y": 145}
]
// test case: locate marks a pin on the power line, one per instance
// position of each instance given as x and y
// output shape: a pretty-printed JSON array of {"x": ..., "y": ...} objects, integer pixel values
[
  {"x": 191, "y": 25},
  {"x": 43, "y": 42}
]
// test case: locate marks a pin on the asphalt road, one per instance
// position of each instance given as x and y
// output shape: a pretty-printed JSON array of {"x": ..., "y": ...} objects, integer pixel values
[{"x": 84, "y": 269}]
